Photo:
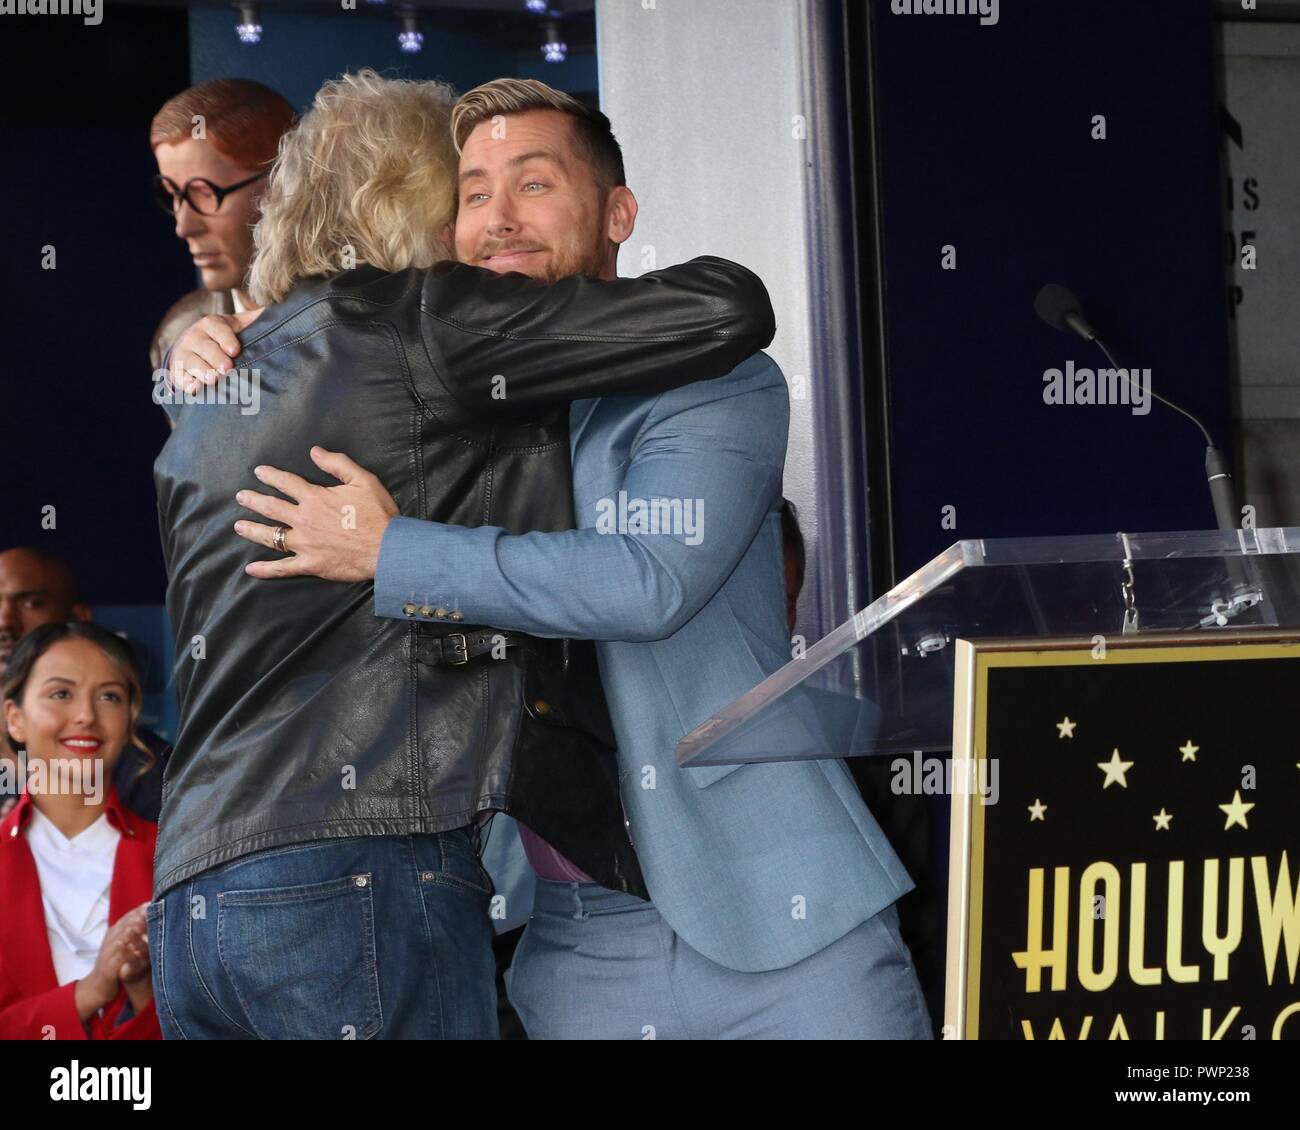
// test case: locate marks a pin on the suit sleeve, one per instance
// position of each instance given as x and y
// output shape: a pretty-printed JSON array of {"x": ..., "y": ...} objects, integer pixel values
[
  {"x": 722, "y": 454},
  {"x": 509, "y": 345}
]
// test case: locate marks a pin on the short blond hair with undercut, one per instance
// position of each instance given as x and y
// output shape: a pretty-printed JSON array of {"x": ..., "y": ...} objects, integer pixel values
[
  {"x": 503, "y": 96},
  {"x": 367, "y": 176}
]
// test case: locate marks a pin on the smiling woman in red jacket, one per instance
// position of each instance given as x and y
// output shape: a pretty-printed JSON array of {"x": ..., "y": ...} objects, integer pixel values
[{"x": 75, "y": 865}]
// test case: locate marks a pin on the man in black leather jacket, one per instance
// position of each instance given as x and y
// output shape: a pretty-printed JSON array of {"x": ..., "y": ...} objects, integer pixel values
[{"x": 316, "y": 871}]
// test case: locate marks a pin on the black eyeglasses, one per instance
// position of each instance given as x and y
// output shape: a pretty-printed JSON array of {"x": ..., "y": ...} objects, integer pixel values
[{"x": 199, "y": 193}]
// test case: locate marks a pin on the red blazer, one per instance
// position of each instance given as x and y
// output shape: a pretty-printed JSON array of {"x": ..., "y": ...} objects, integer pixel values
[{"x": 33, "y": 1005}]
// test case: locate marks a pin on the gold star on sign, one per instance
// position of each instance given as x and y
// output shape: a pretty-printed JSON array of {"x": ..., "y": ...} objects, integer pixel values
[
  {"x": 1188, "y": 751},
  {"x": 1115, "y": 770},
  {"x": 1162, "y": 819},
  {"x": 1036, "y": 811},
  {"x": 1236, "y": 811},
  {"x": 1066, "y": 727}
]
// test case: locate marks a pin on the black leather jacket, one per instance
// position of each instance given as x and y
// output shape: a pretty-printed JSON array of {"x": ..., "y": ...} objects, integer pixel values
[{"x": 303, "y": 715}]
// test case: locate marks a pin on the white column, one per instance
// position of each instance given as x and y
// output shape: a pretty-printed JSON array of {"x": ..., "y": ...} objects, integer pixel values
[{"x": 716, "y": 104}]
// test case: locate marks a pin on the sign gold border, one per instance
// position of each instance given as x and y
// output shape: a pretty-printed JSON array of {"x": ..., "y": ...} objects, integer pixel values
[{"x": 974, "y": 659}]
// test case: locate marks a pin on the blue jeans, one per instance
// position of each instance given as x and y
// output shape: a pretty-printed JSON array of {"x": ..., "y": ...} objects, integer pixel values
[
  {"x": 596, "y": 964},
  {"x": 373, "y": 937}
]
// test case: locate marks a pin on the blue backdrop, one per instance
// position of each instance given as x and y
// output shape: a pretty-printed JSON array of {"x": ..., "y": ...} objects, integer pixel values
[{"x": 986, "y": 145}]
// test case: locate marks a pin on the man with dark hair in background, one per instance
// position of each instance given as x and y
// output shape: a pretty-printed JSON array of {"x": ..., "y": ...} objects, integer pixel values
[{"x": 214, "y": 144}]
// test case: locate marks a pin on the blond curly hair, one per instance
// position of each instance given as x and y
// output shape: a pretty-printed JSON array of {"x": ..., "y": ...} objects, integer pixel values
[{"x": 367, "y": 176}]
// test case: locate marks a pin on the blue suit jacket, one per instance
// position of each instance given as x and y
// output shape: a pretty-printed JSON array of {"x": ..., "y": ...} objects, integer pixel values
[{"x": 755, "y": 866}]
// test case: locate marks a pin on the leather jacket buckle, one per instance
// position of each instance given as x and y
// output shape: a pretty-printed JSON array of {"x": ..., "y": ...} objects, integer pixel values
[{"x": 462, "y": 648}]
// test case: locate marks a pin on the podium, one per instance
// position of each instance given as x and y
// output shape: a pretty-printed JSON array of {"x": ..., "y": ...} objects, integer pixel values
[{"x": 1121, "y": 712}]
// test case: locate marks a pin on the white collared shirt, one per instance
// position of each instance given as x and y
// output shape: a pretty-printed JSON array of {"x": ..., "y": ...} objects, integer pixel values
[{"x": 75, "y": 876}]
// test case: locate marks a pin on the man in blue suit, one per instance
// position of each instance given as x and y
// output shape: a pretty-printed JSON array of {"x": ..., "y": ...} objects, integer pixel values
[{"x": 772, "y": 886}]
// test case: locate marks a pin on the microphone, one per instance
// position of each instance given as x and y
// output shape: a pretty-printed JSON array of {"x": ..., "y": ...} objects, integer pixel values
[{"x": 1059, "y": 308}]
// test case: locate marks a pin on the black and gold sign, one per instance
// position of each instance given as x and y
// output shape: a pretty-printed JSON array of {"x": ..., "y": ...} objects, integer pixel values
[{"x": 1139, "y": 874}]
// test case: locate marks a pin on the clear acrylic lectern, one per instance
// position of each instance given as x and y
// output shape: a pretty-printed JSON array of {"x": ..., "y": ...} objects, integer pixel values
[{"x": 882, "y": 682}]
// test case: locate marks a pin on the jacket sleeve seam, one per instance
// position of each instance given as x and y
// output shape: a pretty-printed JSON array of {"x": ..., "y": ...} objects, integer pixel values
[{"x": 598, "y": 338}]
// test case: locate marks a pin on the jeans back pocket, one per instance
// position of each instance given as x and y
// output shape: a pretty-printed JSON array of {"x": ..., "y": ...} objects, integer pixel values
[{"x": 302, "y": 959}]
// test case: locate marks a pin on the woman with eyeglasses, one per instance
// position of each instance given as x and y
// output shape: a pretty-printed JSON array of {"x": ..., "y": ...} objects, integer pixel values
[
  {"x": 214, "y": 144},
  {"x": 76, "y": 866}
]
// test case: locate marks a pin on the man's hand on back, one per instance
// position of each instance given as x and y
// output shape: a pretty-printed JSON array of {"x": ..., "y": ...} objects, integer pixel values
[
  {"x": 329, "y": 532},
  {"x": 204, "y": 351}
]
